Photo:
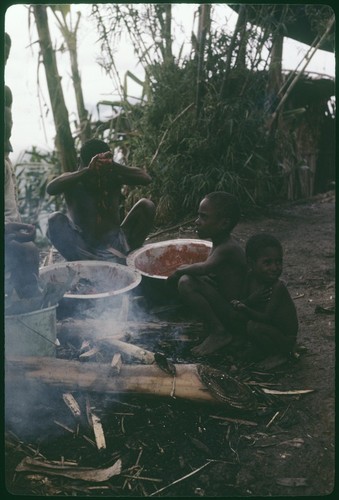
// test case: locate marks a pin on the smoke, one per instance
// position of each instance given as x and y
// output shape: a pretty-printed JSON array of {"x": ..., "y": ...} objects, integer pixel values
[{"x": 137, "y": 316}]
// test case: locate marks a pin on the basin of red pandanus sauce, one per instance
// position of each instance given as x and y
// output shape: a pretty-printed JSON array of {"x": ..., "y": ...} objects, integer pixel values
[{"x": 159, "y": 260}]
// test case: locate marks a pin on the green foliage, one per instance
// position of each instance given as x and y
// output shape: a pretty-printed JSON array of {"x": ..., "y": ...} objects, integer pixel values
[
  {"x": 225, "y": 149},
  {"x": 204, "y": 125}
]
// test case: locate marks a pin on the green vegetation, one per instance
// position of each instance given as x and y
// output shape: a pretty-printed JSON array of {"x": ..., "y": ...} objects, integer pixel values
[{"x": 220, "y": 118}]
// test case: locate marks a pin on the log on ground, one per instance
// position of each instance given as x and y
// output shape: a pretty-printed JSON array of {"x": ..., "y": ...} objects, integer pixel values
[{"x": 96, "y": 377}]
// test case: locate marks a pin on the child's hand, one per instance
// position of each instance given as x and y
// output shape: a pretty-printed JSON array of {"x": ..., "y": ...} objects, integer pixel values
[
  {"x": 259, "y": 296},
  {"x": 19, "y": 232},
  {"x": 237, "y": 305}
]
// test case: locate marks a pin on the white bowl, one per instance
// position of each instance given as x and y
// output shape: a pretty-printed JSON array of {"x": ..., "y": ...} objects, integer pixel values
[{"x": 159, "y": 260}]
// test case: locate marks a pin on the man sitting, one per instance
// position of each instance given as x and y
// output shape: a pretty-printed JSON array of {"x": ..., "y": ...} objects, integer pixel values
[{"x": 92, "y": 229}]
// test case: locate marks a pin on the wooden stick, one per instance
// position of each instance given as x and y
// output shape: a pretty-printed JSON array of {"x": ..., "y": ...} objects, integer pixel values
[
  {"x": 72, "y": 404},
  {"x": 179, "y": 480},
  {"x": 287, "y": 393},
  {"x": 167, "y": 229},
  {"x": 98, "y": 432},
  {"x": 29, "y": 464}
]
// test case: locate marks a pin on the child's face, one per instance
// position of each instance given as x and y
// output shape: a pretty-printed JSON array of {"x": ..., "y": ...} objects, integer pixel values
[
  {"x": 209, "y": 223},
  {"x": 268, "y": 266}
]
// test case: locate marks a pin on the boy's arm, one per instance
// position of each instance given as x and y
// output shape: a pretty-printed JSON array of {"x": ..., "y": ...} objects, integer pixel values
[
  {"x": 202, "y": 268},
  {"x": 277, "y": 296}
]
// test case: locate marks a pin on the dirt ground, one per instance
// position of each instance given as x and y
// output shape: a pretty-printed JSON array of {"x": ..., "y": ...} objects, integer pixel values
[{"x": 181, "y": 449}]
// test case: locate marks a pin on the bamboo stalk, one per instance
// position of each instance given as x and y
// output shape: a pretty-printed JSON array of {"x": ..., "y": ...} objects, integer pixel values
[{"x": 95, "y": 377}]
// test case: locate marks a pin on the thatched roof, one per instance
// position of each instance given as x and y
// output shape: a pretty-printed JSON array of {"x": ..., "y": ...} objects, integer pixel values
[
  {"x": 310, "y": 89},
  {"x": 301, "y": 23}
]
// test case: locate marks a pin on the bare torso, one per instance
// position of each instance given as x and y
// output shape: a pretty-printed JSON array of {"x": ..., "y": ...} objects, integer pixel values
[
  {"x": 280, "y": 310},
  {"x": 94, "y": 208},
  {"x": 230, "y": 271}
]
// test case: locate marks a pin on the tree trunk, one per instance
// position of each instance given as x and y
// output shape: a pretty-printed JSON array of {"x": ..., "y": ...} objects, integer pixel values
[
  {"x": 203, "y": 29},
  {"x": 163, "y": 14},
  {"x": 241, "y": 21},
  {"x": 275, "y": 68},
  {"x": 70, "y": 37},
  {"x": 85, "y": 129},
  {"x": 168, "y": 32},
  {"x": 64, "y": 139}
]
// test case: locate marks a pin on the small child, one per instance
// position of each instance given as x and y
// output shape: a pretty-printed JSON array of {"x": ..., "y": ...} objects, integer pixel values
[
  {"x": 272, "y": 322},
  {"x": 208, "y": 287}
]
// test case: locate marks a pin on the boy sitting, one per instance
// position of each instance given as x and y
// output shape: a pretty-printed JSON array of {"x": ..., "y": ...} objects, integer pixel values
[
  {"x": 208, "y": 287},
  {"x": 272, "y": 322}
]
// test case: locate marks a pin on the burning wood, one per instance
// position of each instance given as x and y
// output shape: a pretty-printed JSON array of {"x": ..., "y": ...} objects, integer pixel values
[
  {"x": 131, "y": 350},
  {"x": 85, "y": 346},
  {"x": 89, "y": 354},
  {"x": 163, "y": 363},
  {"x": 116, "y": 364},
  {"x": 72, "y": 404}
]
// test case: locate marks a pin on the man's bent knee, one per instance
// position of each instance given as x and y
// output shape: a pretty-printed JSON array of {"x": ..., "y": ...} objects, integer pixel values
[
  {"x": 55, "y": 222},
  {"x": 147, "y": 206},
  {"x": 186, "y": 284}
]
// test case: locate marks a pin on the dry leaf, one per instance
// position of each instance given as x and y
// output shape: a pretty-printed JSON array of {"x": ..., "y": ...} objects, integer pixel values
[{"x": 82, "y": 473}]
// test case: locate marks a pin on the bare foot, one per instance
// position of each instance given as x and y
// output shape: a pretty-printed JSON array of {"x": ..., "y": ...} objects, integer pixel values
[{"x": 211, "y": 344}]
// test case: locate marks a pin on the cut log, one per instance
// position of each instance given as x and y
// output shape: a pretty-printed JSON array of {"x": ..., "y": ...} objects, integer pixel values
[{"x": 95, "y": 377}]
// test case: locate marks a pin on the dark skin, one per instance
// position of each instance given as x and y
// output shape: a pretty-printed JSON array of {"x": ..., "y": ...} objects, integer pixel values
[
  {"x": 21, "y": 250},
  {"x": 205, "y": 286},
  {"x": 92, "y": 194},
  {"x": 17, "y": 232},
  {"x": 272, "y": 319}
]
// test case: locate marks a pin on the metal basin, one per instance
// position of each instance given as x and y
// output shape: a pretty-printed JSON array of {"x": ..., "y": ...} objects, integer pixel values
[
  {"x": 159, "y": 260},
  {"x": 103, "y": 279}
]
